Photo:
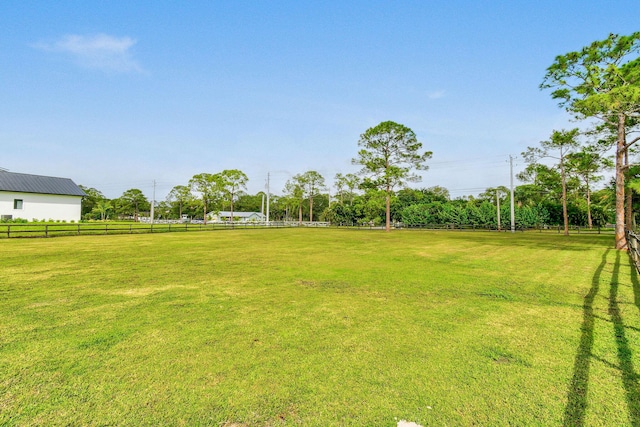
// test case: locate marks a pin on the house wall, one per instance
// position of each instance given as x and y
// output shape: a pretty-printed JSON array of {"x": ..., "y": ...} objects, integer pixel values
[
  {"x": 41, "y": 206},
  {"x": 238, "y": 216}
]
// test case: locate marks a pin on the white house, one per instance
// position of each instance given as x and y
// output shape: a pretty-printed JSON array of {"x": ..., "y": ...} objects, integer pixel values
[
  {"x": 39, "y": 197},
  {"x": 238, "y": 216}
]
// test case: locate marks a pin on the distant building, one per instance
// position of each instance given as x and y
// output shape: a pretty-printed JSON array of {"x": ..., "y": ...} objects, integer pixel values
[
  {"x": 39, "y": 197},
  {"x": 238, "y": 216}
]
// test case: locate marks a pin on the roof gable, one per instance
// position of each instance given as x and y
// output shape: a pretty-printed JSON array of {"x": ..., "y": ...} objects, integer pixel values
[
  {"x": 238, "y": 214},
  {"x": 25, "y": 183}
]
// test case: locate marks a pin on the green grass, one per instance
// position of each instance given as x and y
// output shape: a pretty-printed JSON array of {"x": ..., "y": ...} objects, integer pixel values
[{"x": 318, "y": 328}]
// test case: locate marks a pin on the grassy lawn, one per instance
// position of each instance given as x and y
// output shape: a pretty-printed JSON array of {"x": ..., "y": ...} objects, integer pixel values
[{"x": 317, "y": 327}]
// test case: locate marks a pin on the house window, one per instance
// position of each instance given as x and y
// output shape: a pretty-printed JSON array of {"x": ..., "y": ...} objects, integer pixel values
[{"x": 17, "y": 203}]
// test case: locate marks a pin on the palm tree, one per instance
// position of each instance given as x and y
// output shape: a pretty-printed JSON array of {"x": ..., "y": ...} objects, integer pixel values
[{"x": 102, "y": 207}]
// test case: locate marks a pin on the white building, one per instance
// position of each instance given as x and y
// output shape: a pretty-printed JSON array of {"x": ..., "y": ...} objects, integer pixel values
[
  {"x": 238, "y": 216},
  {"x": 35, "y": 197}
]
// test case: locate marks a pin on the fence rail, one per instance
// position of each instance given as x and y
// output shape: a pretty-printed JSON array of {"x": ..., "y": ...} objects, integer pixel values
[
  {"x": 633, "y": 243},
  {"x": 470, "y": 227},
  {"x": 13, "y": 230},
  {"x": 54, "y": 230}
]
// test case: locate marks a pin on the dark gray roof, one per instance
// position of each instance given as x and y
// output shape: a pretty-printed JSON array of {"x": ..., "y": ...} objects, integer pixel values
[{"x": 24, "y": 183}]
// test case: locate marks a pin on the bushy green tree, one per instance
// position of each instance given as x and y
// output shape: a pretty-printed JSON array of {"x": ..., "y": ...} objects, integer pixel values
[
  {"x": 346, "y": 186},
  {"x": 102, "y": 209},
  {"x": 294, "y": 193},
  {"x": 252, "y": 202},
  {"x": 312, "y": 184},
  {"x": 89, "y": 201},
  {"x": 231, "y": 183},
  {"x": 389, "y": 154},
  {"x": 132, "y": 202},
  {"x": 422, "y": 214},
  {"x": 179, "y": 197},
  {"x": 209, "y": 188},
  {"x": 602, "y": 81},
  {"x": 586, "y": 164},
  {"x": 558, "y": 147}
]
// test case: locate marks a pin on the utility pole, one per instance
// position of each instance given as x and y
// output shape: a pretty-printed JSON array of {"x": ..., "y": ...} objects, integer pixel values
[
  {"x": 498, "y": 204},
  {"x": 268, "y": 196},
  {"x": 262, "y": 208},
  {"x": 153, "y": 200},
  {"x": 513, "y": 209}
]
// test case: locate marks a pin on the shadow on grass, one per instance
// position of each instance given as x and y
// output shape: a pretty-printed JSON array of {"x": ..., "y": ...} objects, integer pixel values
[
  {"x": 629, "y": 376},
  {"x": 555, "y": 242},
  {"x": 574, "y": 414},
  {"x": 577, "y": 399}
]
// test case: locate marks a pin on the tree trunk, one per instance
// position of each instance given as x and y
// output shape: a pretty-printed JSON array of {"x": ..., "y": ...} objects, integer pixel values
[
  {"x": 498, "y": 213},
  {"x": 388, "y": 212},
  {"x": 205, "y": 212},
  {"x": 565, "y": 215},
  {"x": 310, "y": 208},
  {"x": 628, "y": 213},
  {"x": 628, "y": 210},
  {"x": 589, "y": 219},
  {"x": 300, "y": 213},
  {"x": 232, "y": 210},
  {"x": 621, "y": 241}
]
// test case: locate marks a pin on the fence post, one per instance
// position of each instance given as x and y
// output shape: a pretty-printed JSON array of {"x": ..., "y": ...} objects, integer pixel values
[
  {"x": 78, "y": 229},
  {"x": 46, "y": 230},
  {"x": 106, "y": 229},
  {"x": 8, "y": 231}
]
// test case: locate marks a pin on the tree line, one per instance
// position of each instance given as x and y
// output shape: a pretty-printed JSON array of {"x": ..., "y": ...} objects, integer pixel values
[
  {"x": 556, "y": 191},
  {"x": 599, "y": 84},
  {"x": 306, "y": 197}
]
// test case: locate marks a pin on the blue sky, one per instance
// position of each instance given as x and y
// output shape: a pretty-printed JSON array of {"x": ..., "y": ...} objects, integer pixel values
[{"x": 117, "y": 94}]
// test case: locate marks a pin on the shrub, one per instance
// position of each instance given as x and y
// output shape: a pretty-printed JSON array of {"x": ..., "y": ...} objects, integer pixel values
[{"x": 14, "y": 221}]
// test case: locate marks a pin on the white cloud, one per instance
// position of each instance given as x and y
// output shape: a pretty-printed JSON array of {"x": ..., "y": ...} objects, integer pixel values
[
  {"x": 100, "y": 51},
  {"x": 436, "y": 95}
]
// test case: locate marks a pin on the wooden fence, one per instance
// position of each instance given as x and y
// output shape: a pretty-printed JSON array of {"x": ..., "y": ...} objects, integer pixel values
[
  {"x": 470, "y": 227},
  {"x": 12, "y": 230},
  {"x": 54, "y": 230},
  {"x": 633, "y": 243}
]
